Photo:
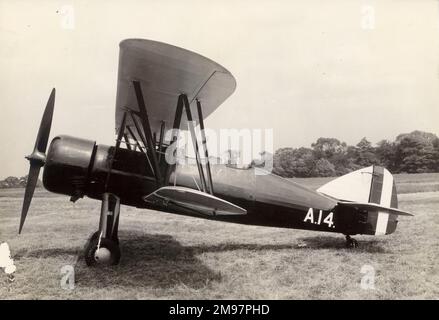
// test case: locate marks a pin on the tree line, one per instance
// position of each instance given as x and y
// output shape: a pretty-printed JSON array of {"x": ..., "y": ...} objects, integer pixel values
[
  {"x": 415, "y": 152},
  {"x": 14, "y": 182}
]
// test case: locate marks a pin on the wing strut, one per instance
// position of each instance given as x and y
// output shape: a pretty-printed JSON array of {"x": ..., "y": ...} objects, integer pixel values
[
  {"x": 194, "y": 141},
  {"x": 204, "y": 142},
  {"x": 127, "y": 141},
  {"x": 147, "y": 130},
  {"x": 139, "y": 132},
  {"x": 184, "y": 102},
  {"x": 118, "y": 141},
  {"x": 162, "y": 133},
  {"x": 175, "y": 128},
  {"x": 137, "y": 144},
  {"x": 147, "y": 138}
]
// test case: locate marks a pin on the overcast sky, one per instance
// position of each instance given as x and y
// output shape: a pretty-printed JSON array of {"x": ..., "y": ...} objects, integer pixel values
[{"x": 341, "y": 68}]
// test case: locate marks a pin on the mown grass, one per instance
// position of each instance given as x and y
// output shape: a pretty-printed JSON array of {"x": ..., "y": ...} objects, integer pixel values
[{"x": 167, "y": 256}]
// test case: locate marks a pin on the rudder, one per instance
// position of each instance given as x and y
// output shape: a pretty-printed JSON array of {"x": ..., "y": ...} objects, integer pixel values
[{"x": 373, "y": 184}]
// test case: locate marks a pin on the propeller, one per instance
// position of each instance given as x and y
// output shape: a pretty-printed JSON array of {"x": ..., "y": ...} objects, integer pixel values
[{"x": 38, "y": 157}]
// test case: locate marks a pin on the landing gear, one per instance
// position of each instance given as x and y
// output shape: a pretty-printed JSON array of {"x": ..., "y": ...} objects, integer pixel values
[
  {"x": 101, "y": 251},
  {"x": 351, "y": 242},
  {"x": 103, "y": 245}
]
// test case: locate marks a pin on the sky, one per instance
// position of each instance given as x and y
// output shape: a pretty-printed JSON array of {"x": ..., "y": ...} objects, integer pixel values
[{"x": 343, "y": 68}]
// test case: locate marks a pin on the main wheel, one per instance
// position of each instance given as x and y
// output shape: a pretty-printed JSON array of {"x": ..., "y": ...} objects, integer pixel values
[{"x": 108, "y": 253}]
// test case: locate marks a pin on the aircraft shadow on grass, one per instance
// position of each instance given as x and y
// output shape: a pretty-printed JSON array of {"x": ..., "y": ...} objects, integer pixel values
[{"x": 160, "y": 261}]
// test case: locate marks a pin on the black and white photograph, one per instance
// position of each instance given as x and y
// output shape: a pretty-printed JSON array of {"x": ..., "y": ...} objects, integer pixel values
[{"x": 231, "y": 151}]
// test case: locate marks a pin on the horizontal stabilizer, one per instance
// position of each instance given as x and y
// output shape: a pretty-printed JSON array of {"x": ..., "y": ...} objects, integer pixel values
[
  {"x": 194, "y": 200},
  {"x": 375, "y": 207}
]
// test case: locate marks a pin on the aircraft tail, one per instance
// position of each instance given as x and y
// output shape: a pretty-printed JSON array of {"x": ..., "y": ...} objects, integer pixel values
[{"x": 369, "y": 190}]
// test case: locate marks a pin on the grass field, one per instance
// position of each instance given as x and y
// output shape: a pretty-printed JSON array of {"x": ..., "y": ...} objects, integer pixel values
[{"x": 167, "y": 256}]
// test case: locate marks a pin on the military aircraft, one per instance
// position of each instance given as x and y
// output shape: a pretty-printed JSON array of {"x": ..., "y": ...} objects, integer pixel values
[{"x": 159, "y": 87}]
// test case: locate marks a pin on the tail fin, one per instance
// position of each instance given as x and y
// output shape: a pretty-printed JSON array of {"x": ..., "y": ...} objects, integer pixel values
[
  {"x": 373, "y": 184},
  {"x": 370, "y": 189}
]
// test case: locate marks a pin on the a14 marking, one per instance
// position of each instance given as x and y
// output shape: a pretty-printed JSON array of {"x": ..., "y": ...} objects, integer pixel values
[{"x": 329, "y": 219}]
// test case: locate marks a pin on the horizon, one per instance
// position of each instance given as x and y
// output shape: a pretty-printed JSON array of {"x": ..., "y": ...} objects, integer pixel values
[{"x": 374, "y": 144}]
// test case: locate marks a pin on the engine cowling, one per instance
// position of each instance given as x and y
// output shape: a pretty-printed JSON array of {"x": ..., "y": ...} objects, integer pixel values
[
  {"x": 68, "y": 165},
  {"x": 77, "y": 167}
]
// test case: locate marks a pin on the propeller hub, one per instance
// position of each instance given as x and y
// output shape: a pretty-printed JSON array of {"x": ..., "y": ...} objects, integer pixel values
[{"x": 37, "y": 157}]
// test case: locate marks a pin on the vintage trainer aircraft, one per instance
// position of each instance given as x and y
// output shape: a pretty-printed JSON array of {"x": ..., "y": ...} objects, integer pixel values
[{"x": 159, "y": 87}]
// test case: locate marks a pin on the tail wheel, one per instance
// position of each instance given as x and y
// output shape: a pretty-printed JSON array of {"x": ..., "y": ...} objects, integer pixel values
[
  {"x": 107, "y": 254},
  {"x": 351, "y": 242}
]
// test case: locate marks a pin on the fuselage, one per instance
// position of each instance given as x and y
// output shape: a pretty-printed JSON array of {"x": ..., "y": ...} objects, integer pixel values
[{"x": 78, "y": 168}]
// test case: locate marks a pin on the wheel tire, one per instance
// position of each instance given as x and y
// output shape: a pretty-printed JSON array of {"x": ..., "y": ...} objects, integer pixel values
[
  {"x": 92, "y": 246},
  {"x": 94, "y": 236}
]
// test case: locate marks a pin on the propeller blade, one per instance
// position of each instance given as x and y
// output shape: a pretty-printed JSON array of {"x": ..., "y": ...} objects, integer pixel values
[
  {"x": 32, "y": 179},
  {"x": 37, "y": 158},
  {"x": 45, "y": 125}
]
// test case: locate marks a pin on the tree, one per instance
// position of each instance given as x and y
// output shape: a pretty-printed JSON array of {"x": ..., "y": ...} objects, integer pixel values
[
  {"x": 14, "y": 182},
  {"x": 324, "y": 168},
  {"x": 386, "y": 154},
  {"x": 303, "y": 162},
  {"x": 328, "y": 148},
  {"x": 365, "y": 154},
  {"x": 335, "y": 152},
  {"x": 417, "y": 151},
  {"x": 421, "y": 136},
  {"x": 289, "y": 162},
  {"x": 415, "y": 155}
]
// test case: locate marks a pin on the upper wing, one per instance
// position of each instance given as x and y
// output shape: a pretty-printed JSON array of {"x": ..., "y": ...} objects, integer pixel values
[{"x": 165, "y": 72}]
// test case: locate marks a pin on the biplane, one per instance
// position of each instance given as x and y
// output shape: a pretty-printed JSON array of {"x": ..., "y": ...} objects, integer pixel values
[{"x": 159, "y": 88}]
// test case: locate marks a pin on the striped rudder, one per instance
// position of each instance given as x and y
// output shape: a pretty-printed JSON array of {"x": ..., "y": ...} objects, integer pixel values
[
  {"x": 383, "y": 192},
  {"x": 370, "y": 191}
]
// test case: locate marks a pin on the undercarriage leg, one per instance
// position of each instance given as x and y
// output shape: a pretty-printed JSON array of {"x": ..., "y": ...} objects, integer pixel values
[
  {"x": 103, "y": 246},
  {"x": 351, "y": 242}
]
